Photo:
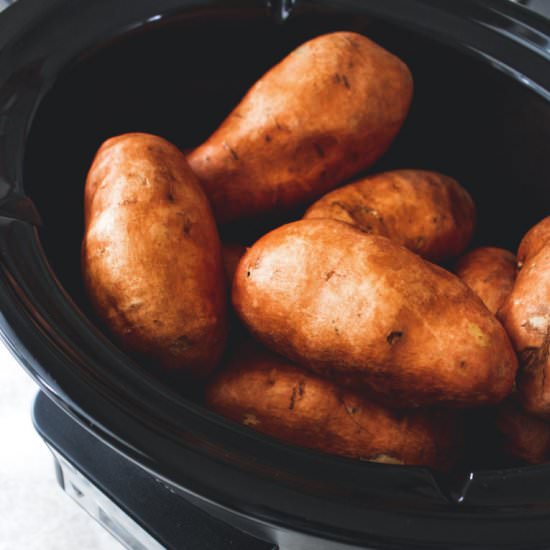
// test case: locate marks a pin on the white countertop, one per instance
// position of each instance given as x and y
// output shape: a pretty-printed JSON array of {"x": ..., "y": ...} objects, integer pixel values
[{"x": 35, "y": 513}]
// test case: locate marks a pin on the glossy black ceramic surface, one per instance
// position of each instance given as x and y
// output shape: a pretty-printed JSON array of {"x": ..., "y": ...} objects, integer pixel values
[{"x": 73, "y": 72}]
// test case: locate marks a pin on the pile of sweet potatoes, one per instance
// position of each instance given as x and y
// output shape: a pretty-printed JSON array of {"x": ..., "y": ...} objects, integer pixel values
[{"x": 354, "y": 342}]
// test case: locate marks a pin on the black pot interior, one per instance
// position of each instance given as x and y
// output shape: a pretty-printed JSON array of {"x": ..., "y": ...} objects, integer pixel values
[{"x": 178, "y": 77}]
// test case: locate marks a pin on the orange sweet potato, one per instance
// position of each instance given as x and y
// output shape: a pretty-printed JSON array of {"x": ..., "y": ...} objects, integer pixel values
[
  {"x": 325, "y": 112},
  {"x": 490, "y": 272},
  {"x": 151, "y": 256},
  {"x": 368, "y": 313},
  {"x": 526, "y": 316},
  {"x": 429, "y": 213},
  {"x": 271, "y": 395}
]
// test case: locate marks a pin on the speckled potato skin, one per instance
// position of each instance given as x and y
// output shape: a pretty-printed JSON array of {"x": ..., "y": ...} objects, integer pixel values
[
  {"x": 151, "y": 256},
  {"x": 533, "y": 241},
  {"x": 368, "y": 313},
  {"x": 490, "y": 272},
  {"x": 526, "y": 316},
  {"x": 427, "y": 212},
  {"x": 525, "y": 436},
  {"x": 273, "y": 396},
  {"x": 231, "y": 256},
  {"x": 325, "y": 112}
]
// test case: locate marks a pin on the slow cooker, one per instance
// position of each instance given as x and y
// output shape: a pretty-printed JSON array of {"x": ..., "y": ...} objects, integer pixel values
[{"x": 153, "y": 465}]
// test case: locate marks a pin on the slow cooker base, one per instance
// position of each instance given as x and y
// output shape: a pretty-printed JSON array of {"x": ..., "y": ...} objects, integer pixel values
[{"x": 130, "y": 503}]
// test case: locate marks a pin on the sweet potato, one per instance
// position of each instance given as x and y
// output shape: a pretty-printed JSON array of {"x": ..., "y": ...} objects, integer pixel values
[
  {"x": 533, "y": 241},
  {"x": 368, "y": 313},
  {"x": 271, "y": 395},
  {"x": 151, "y": 256},
  {"x": 490, "y": 272},
  {"x": 325, "y": 112},
  {"x": 526, "y": 316},
  {"x": 525, "y": 436},
  {"x": 429, "y": 213}
]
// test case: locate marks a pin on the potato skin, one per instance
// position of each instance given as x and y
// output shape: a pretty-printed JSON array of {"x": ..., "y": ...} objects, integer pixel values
[
  {"x": 273, "y": 396},
  {"x": 325, "y": 112},
  {"x": 427, "y": 212},
  {"x": 533, "y": 241},
  {"x": 151, "y": 256},
  {"x": 490, "y": 272},
  {"x": 526, "y": 317},
  {"x": 367, "y": 313},
  {"x": 526, "y": 436}
]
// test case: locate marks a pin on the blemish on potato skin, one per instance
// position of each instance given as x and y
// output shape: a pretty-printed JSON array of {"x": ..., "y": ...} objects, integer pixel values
[
  {"x": 187, "y": 225},
  {"x": 352, "y": 42},
  {"x": 320, "y": 150},
  {"x": 535, "y": 357},
  {"x": 329, "y": 275},
  {"x": 181, "y": 344},
  {"x": 167, "y": 175},
  {"x": 478, "y": 334},
  {"x": 126, "y": 202},
  {"x": 341, "y": 79},
  {"x": 267, "y": 138},
  {"x": 232, "y": 151},
  {"x": 250, "y": 420},
  {"x": 292, "y": 399},
  {"x": 420, "y": 241},
  {"x": 538, "y": 323},
  {"x": 394, "y": 337},
  {"x": 136, "y": 304}
]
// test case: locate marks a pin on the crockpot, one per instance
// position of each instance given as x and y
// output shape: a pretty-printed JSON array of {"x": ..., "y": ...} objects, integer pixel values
[{"x": 74, "y": 72}]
